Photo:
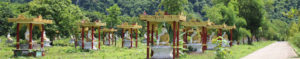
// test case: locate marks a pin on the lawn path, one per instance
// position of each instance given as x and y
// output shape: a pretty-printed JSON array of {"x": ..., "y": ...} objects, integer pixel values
[{"x": 276, "y": 50}]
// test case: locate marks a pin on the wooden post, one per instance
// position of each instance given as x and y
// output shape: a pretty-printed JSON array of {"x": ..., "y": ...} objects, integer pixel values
[
  {"x": 30, "y": 38},
  {"x": 42, "y": 37},
  {"x": 18, "y": 37},
  {"x": 184, "y": 38},
  {"x": 92, "y": 37},
  {"x": 231, "y": 33},
  {"x": 174, "y": 39},
  {"x": 99, "y": 37},
  {"x": 148, "y": 39},
  {"x": 108, "y": 38},
  {"x": 178, "y": 39},
  {"x": 136, "y": 38},
  {"x": 204, "y": 47},
  {"x": 131, "y": 38},
  {"x": 152, "y": 29},
  {"x": 122, "y": 37},
  {"x": 220, "y": 33},
  {"x": 82, "y": 38},
  {"x": 103, "y": 37}
]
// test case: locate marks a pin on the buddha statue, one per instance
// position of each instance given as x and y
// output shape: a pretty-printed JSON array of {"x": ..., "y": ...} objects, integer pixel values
[
  {"x": 9, "y": 39},
  {"x": 72, "y": 40},
  {"x": 127, "y": 42},
  {"x": 89, "y": 42},
  {"x": 163, "y": 38},
  {"x": 46, "y": 40},
  {"x": 195, "y": 38}
]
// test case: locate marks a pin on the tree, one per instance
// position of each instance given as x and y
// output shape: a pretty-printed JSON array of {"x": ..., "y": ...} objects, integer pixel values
[
  {"x": 253, "y": 12},
  {"x": 65, "y": 15},
  {"x": 173, "y": 6},
  {"x": 113, "y": 17}
]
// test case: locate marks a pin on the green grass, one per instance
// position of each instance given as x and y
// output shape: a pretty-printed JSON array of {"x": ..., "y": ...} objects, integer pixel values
[
  {"x": 64, "y": 50},
  {"x": 297, "y": 49},
  {"x": 240, "y": 51}
]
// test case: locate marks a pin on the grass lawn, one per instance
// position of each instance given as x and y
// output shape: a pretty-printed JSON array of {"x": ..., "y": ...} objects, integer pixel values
[
  {"x": 239, "y": 51},
  {"x": 67, "y": 51},
  {"x": 297, "y": 49}
]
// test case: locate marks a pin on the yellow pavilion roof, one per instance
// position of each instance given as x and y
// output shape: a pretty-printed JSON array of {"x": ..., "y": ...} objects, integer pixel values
[
  {"x": 108, "y": 30},
  {"x": 90, "y": 24},
  {"x": 23, "y": 19},
  {"x": 194, "y": 23},
  {"x": 160, "y": 17},
  {"x": 127, "y": 26}
]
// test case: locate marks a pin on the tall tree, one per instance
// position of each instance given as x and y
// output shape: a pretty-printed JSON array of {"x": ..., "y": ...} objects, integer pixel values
[
  {"x": 64, "y": 14},
  {"x": 253, "y": 12},
  {"x": 113, "y": 17},
  {"x": 173, "y": 6}
]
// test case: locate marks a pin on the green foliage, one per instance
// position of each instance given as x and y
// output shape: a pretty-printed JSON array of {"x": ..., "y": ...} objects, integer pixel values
[
  {"x": 253, "y": 12},
  {"x": 113, "y": 17},
  {"x": 64, "y": 14},
  {"x": 173, "y": 6}
]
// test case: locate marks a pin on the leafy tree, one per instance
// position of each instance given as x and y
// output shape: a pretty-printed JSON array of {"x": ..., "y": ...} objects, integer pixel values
[
  {"x": 173, "y": 6},
  {"x": 64, "y": 14},
  {"x": 113, "y": 17}
]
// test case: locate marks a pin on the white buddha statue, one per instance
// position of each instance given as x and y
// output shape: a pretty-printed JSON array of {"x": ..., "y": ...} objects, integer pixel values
[
  {"x": 27, "y": 35},
  {"x": 9, "y": 39},
  {"x": 195, "y": 42},
  {"x": 127, "y": 38},
  {"x": 72, "y": 40},
  {"x": 46, "y": 40},
  {"x": 88, "y": 43}
]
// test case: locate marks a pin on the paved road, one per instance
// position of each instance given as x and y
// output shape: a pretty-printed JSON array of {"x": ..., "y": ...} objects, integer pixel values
[{"x": 276, "y": 50}]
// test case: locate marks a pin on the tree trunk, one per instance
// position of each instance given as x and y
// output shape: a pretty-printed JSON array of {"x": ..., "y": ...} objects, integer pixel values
[{"x": 249, "y": 40}]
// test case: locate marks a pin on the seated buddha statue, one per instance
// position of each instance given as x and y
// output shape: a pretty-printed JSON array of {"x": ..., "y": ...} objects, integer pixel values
[
  {"x": 195, "y": 38},
  {"x": 46, "y": 40},
  {"x": 89, "y": 38},
  {"x": 9, "y": 39},
  {"x": 163, "y": 38},
  {"x": 127, "y": 36}
]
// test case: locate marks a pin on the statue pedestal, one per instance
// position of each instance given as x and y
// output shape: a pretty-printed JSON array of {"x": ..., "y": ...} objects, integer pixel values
[
  {"x": 127, "y": 43},
  {"x": 47, "y": 43},
  {"x": 72, "y": 41},
  {"x": 26, "y": 46},
  {"x": 106, "y": 42},
  {"x": 88, "y": 45},
  {"x": 162, "y": 52},
  {"x": 226, "y": 43},
  {"x": 195, "y": 47},
  {"x": 9, "y": 41},
  {"x": 211, "y": 46}
]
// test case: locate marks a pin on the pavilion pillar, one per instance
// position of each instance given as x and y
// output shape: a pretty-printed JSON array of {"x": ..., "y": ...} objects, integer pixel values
[
  {"x": 103, "y": 37},
  {"x": 152, "y": 43},
  {"x": 231, "y": 33},
  {"x": 131, "y": 38},
  {"x": 30, "y": 38},
  {"x": 184, "y": 38},
  {"x": 220, "y": 33},
  {"x": 92, "y": 37},
  {"x": 115, "y": 40},
  {"x": 122, "y": 37},
  {"x": 99, "y": 37},
  {"x": 42, "y": 39},
  {"x": 148, "y": 40},
  {"x": 174, "y": 39},
  {"x": 204, "y": 46},
  {"x": 108, "y": 38},
  {"x": 136, "y": 38},
  {"x": 178, "y": 39},
  {"x": 152, "y": 30},
  {"x": 18, "y": 36},
  {"x": 82, "y": 38}
]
